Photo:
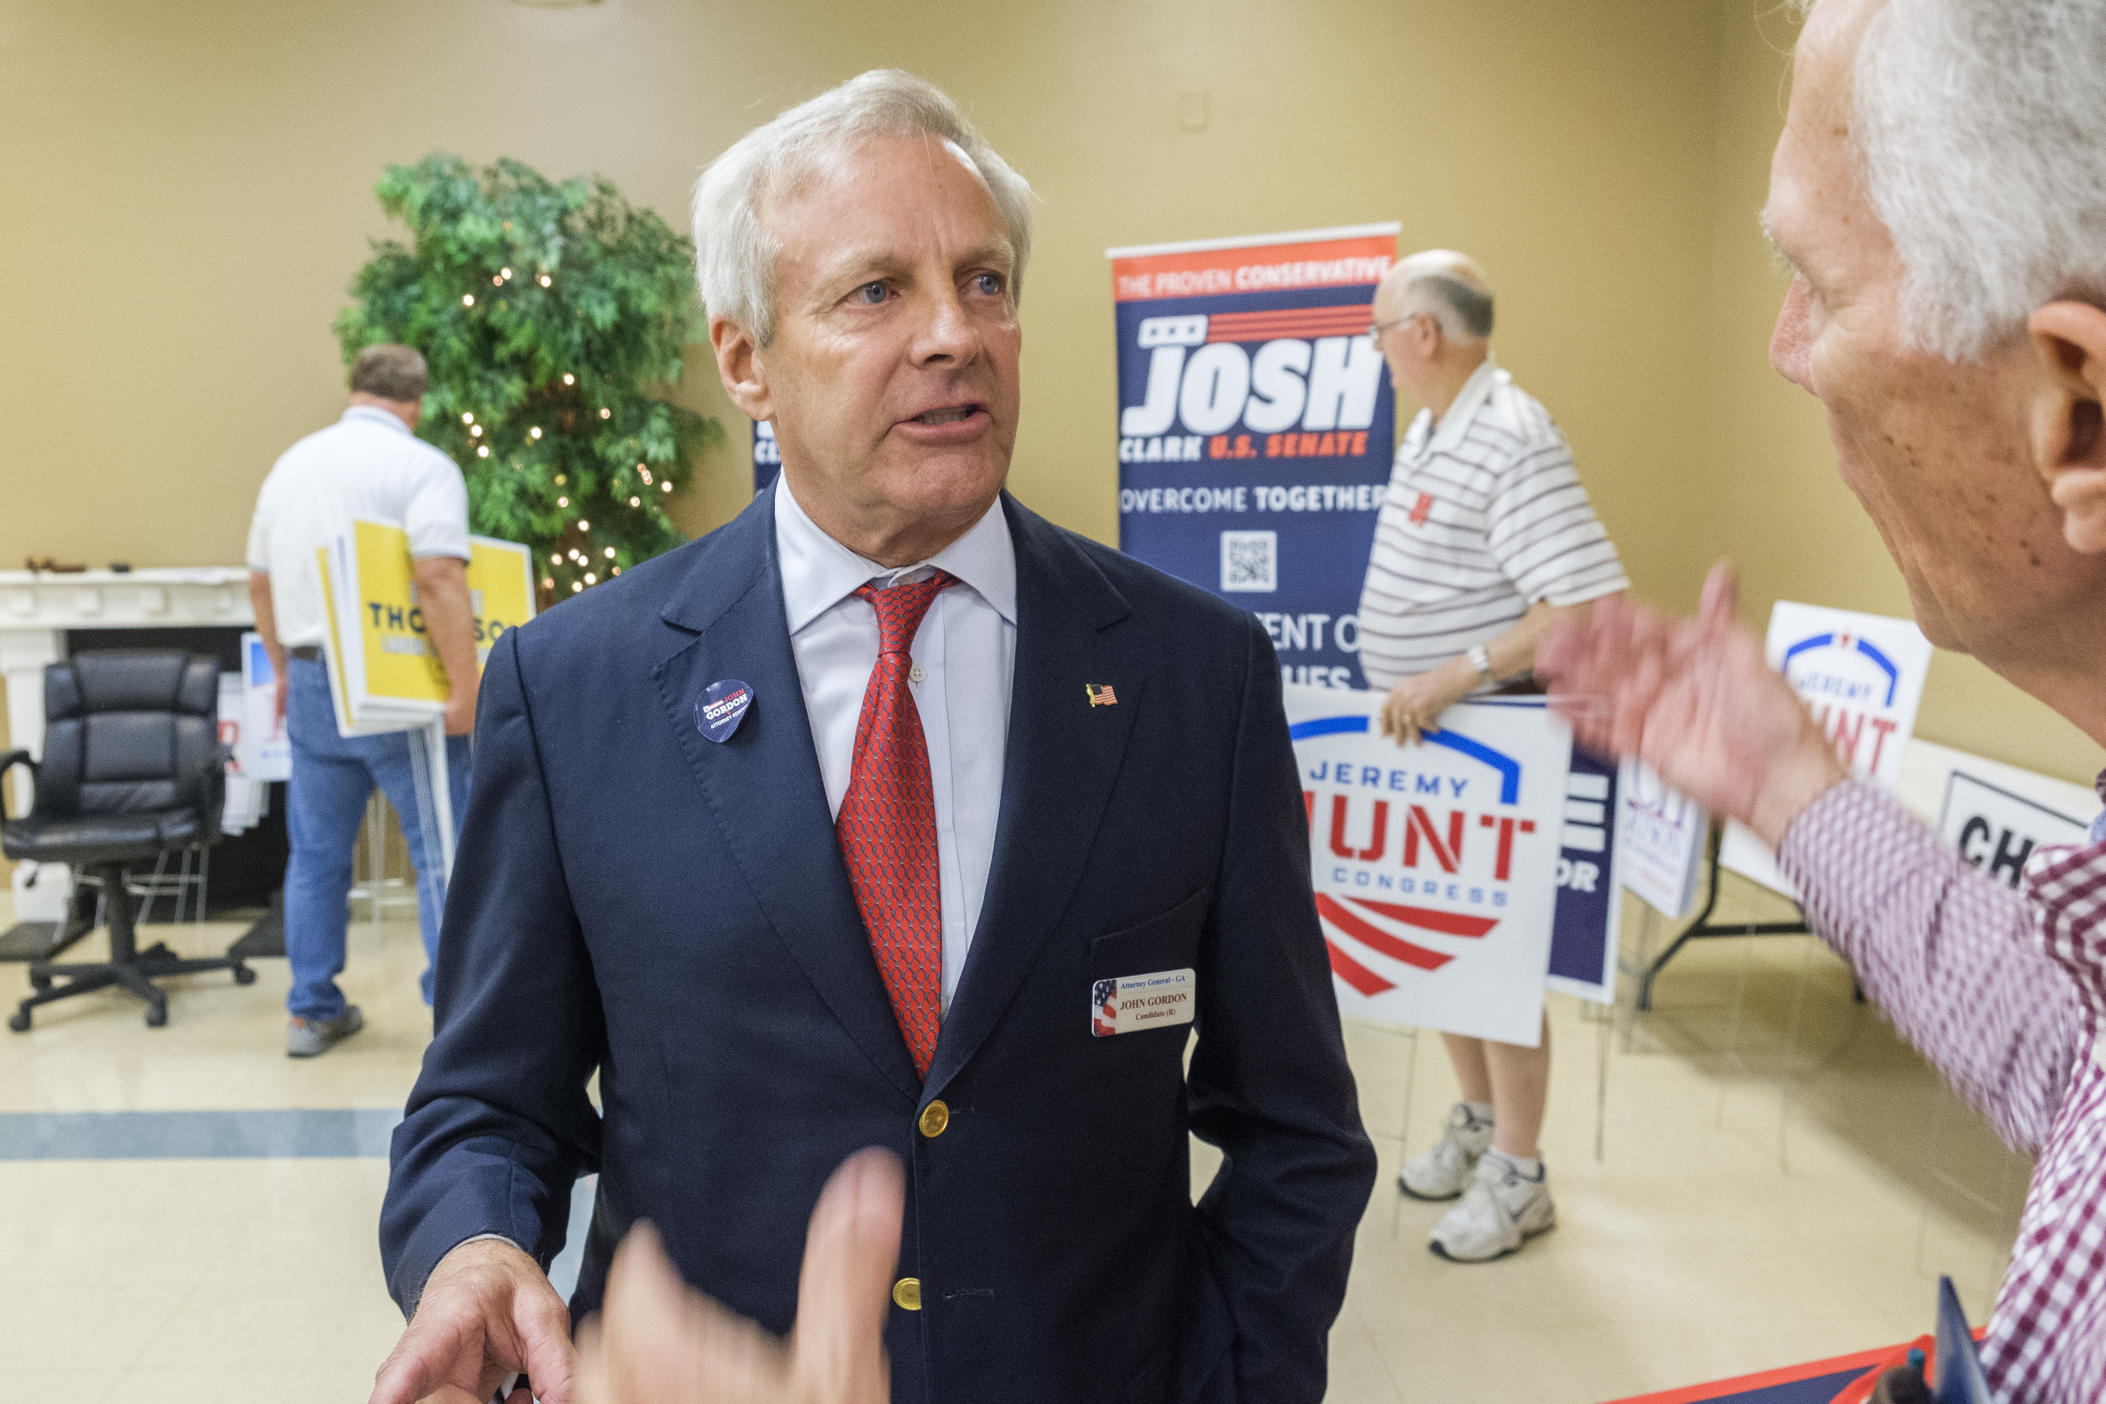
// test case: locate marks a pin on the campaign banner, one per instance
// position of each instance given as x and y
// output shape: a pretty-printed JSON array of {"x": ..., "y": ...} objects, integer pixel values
[
  {"x": 1435, "y": 865},
  {"x": 1256, "y": 427},
  {"x": 1662, "y": 841},
  {"x": 767, "y": 456},
  {"x": 1996, "y": 829},
  {"x": 1862, "y": 676}
]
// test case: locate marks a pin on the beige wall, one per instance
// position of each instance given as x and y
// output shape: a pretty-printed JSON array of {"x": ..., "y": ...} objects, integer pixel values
[{"x": 188, "y": 190}]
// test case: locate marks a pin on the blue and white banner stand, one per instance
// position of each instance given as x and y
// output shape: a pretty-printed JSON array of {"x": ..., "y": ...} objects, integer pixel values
[{"x": 1256, "y": 427}]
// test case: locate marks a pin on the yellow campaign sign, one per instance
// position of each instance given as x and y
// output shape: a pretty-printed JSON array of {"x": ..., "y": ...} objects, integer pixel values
[
  {"x": 400, "y": 663},
  {"x": 336, "y": 641}
]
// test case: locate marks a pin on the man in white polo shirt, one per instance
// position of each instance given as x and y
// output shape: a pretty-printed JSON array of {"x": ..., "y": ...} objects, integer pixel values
[
  {"x": 1485, "y": 539},
  {"x": 368, "y": 464}
]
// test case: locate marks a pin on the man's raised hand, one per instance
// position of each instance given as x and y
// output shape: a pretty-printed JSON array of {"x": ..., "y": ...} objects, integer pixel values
[
  {"x": 657, "y": 1341},
  {"x": 1696, "y": 700},
  {"x": 487, "y": 1313}
]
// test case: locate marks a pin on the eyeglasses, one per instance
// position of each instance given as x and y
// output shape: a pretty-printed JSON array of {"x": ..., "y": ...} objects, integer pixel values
[{"x": 1375, "y": 329}]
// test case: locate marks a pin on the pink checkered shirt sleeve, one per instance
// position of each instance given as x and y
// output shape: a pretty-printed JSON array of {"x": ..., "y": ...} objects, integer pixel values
[{"x": 1948, "y": 954}]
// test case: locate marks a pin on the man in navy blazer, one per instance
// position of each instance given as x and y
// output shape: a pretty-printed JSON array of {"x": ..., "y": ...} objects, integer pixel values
[{"x": 792, "y": 877}]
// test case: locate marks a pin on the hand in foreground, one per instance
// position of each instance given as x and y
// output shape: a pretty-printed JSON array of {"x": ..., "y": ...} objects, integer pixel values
[
  {"x": 657, "y": 1341},
  {"x": 278, "y": 692},
  {"x": 487, "y": 1312},
  {"x": 1696, "y": 700},
  {"x": 1415, "y": 703}
]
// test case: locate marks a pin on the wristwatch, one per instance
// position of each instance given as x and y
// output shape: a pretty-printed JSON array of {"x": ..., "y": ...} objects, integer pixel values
[{"x": 1481, "y": 661}]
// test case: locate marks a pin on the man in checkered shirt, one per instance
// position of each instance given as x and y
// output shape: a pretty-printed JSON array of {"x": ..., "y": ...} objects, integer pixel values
[{"x": 1940, "y": 193}]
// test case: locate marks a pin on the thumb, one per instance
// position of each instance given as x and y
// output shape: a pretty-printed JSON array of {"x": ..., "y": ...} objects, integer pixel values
[
  {"x": 850, "y": 1251},
  {"x": 548, "y": 1356},
  {"x": 1721, "y": 606}
]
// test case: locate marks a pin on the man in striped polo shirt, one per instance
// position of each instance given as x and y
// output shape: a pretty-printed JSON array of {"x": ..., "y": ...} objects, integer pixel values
[{"x": 1485, "y": 539}]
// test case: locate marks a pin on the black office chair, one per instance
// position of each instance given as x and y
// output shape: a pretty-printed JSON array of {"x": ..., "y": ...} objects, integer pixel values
[{"x": 133, "y": 769}]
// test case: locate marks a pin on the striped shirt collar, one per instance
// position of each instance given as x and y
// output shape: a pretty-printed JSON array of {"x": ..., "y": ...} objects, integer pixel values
[
  {"x": 1423, "y": 437},
  {"x": 818, "y": 572}
]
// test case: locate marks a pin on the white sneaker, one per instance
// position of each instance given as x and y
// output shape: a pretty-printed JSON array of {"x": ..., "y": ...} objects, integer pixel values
[
  {"x": 1442, "y": 1172},
  {"x": 1501, "y": 1210}
]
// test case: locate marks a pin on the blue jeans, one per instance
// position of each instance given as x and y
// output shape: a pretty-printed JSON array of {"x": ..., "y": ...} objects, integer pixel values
[{"x": 332, "y": 777}]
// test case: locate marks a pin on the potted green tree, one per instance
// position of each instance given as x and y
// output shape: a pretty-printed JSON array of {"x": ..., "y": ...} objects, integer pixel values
[{"x": 553, "y": 316}]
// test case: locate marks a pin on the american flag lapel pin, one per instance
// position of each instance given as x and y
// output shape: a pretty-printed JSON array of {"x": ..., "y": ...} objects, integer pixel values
[{"x": 1100, "y": 694}]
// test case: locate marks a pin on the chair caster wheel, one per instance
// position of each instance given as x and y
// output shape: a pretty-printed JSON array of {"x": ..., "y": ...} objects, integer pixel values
[
  {"x": 244, "y": 976},
  {"x": 19, "y": 1021},
  {"x": 156, "y": 1015}
]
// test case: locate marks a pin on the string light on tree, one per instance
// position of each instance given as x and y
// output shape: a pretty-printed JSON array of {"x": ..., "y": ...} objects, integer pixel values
[{"x": 622, "y": 264}]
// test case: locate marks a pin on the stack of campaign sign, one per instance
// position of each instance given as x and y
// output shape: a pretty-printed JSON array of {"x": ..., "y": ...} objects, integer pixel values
[{"x": 384, "y": 674}]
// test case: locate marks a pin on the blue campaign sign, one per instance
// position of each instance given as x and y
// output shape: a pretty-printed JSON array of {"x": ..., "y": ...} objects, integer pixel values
[
  {"x": 767, "y": 458},
  {"x": 1590, "y": 899},
  {"x": 1256, "y": 428}
]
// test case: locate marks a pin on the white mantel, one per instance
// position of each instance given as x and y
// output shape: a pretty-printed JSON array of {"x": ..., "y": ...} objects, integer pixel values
[{"x": 38, "y": 608}]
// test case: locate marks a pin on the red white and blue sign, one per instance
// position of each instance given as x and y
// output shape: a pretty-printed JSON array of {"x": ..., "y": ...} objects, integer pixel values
[
  {"x": 1861, "y": 675},
  {"x": 1256, "y": 427},
  {"x": 1435, "y": 866}
]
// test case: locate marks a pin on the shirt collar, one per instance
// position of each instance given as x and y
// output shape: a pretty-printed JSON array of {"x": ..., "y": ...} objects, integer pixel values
[
  {"x": 376, "y": 415},
  {"x": 818, "y": 572},
  {"x": 1468, "y": 400}
]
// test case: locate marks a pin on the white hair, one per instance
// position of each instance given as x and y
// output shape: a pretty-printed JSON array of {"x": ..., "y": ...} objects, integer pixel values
[
  {"x": 1981, "y": 131},
  {"x": 1451, "y": 288},
  {"x": 735, "y": 252}
]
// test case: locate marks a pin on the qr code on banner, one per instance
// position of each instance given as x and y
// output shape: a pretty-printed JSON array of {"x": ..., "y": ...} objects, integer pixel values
[{"x": 1250, "y": 560}]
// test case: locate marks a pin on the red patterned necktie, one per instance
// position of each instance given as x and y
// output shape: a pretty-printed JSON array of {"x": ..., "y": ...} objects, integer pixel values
[{"x": 887, "y": 824}]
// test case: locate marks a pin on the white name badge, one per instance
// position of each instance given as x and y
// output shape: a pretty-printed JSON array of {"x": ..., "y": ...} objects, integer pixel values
[{"x": 1134, "y": 1002}]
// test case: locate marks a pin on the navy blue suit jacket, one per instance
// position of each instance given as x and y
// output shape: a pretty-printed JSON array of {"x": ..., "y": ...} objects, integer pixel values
[{"x": 633, "y": 900}]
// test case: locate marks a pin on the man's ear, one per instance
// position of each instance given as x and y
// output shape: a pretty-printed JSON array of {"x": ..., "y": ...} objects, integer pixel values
[
  {"x": 738, "y": 365},
  {"x": 2069, "y": 439}
]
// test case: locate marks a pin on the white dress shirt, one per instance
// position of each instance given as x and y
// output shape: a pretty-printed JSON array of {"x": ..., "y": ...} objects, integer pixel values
[{"x": 964, "y": 659}]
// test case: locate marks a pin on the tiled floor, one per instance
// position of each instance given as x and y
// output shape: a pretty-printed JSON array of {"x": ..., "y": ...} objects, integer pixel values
[{"x": 1780, "y": 1180}]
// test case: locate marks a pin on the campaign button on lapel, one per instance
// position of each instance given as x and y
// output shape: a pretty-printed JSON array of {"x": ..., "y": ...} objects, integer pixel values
[{"x": 721, "y": 707}]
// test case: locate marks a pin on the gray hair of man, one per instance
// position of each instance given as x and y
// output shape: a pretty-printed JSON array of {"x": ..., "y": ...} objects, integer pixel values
[
  {"x": 736, "y": 252},
  {"x": 1450, "y": 288},
  {"x": 389, "y": 370},
  {"x": 1980, "y": 128}
]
